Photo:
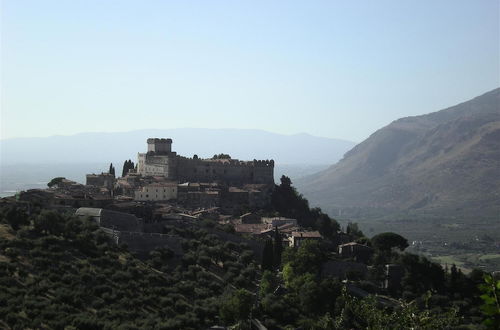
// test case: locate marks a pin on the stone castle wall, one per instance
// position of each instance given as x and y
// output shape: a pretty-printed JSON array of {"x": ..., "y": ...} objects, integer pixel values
[
  {"x": 161, "y": 161},
  {"x": 229, "y": 171}
]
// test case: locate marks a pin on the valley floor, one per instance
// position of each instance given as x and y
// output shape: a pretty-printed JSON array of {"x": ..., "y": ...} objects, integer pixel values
[{"x": 467, "y": 244}]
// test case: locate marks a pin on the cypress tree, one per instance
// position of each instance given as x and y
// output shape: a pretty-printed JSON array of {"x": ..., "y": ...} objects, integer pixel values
[
  {"x": 125, "y": 168},
  {"x": 278, "y": 247},
  {"x": 268, "y": 256},
  {"x": 111, "y": 169},
  {"x": 130, "y": 165}
]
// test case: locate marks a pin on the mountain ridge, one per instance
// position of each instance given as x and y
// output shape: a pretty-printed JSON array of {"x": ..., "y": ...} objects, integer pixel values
[
  {"x": 419, "y": 164},
  {"x": 118, "y": 146}
]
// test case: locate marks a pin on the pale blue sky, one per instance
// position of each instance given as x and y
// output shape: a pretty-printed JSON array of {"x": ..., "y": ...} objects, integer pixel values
[{"x": 329, "y": 68}]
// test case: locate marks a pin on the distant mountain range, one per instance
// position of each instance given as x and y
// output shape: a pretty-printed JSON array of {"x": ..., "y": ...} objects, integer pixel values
[
  {"x": 445, "y": 163},
  {"x": 244, "y": 144}
]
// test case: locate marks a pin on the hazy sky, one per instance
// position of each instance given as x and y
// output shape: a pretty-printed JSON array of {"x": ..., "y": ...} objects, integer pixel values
[{"x": 329, "y": 68}]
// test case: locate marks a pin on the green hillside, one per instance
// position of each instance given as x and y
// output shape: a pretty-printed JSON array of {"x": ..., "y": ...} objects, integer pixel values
[{"x": 64, "y": 273}]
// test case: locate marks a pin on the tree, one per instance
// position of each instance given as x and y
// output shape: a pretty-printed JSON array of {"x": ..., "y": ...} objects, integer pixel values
[
  {"x": 55, "y": 181},
  {"x": 365, "y": 314},
  {"x": 15, "y": 216},
  {"x": 326, "y": 226},
  {"x": 128, "y": 165},
  {"x": 236, "y": 306},
  {"x": 353, "y": 230},
  {"x": 221, "y": 156},
  {"x": 268, "y": 256},
  {"x": 491, "y": 302},
  {"x": 111, "y": 169},
  {"x": 125, "y": 168},
  {"x": 278, "y": 247},
  {"x": 387, "y": 241},
  {"x": 49, "y": 222},
  {"x": 267, "y": 283},
  {"x": 308, "y": 258},
  {"x": 285, "y": 181}
]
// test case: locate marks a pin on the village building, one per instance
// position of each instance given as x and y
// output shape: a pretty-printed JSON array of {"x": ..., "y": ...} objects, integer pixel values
[
  {"x": 251, "y": 228},
  {"x": 298, "y": 237},
  {"x": 111, "y": 219},
  {"x": 250, "y": 218},
  {"x": 157, "y": 192},
  {"x": 355, "y": 250},
  {"x": 279, "y": 221},
  {"x": 105, "y": 180}
]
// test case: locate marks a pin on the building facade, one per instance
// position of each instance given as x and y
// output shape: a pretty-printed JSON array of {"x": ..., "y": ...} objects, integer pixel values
[
  {"x": 157, "y": 192},
  {"x": 105, "y": 180}
]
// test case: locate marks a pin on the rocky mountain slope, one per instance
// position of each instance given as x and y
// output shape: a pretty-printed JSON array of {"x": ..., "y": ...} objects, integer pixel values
[{"x": 442, "y": 163}]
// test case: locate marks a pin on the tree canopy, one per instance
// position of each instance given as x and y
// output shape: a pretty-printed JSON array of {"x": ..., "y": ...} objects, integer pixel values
[
  {"x": 127, "y": 166},
  {"x": 55, "y": 181},
  {"x": 387, "y": 241},
  {"x": 221, "y": 156},
  {"x": 111, "y": 169},
  {"x": 289, "y": 203}
]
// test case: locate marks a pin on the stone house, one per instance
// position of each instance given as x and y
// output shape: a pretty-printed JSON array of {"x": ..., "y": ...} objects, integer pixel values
[
  {"x": 279, "y": 221},
  {"x": 157, "y": 192},
  {"x": 298, "y": 237},
  {"x": 355, "y": 250}
]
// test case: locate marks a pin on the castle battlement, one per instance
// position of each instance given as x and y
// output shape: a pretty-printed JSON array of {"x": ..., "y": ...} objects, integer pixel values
[
  {"x": 232, "y": 162},
  {"x": 160, "y": 160}
]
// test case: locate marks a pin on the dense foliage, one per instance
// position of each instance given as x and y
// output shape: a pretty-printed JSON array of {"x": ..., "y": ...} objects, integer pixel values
[
  {"x": 60, "y": 271},
  {"x": 127, "y": 166},
  {"x": 221, "y": 156},
  {"x": 289, "y": 203},
  {"x": 55, "y": 181},
  {"x": 387, "y": 241}
]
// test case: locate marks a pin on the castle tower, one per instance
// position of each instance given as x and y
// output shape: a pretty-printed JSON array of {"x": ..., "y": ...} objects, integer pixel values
[{"x": 160, "y": 146}]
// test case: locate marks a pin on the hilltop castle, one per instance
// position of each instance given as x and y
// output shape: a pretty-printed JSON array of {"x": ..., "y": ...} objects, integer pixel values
[{"x": 160, "y": 160}]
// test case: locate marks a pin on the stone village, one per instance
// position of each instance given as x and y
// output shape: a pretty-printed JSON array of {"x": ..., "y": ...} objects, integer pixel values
[{"x": 164, "y": 188}]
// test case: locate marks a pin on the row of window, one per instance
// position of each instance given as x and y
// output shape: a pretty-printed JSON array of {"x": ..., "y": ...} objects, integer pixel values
[
  {"x": 147, "y": 196},
  {"x": 164, "y": 190}
]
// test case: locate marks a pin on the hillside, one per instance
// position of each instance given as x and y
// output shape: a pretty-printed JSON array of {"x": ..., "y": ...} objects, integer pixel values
[
  {"x": 64, "y": 273},
  {"x": 442, "y": 163}
]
